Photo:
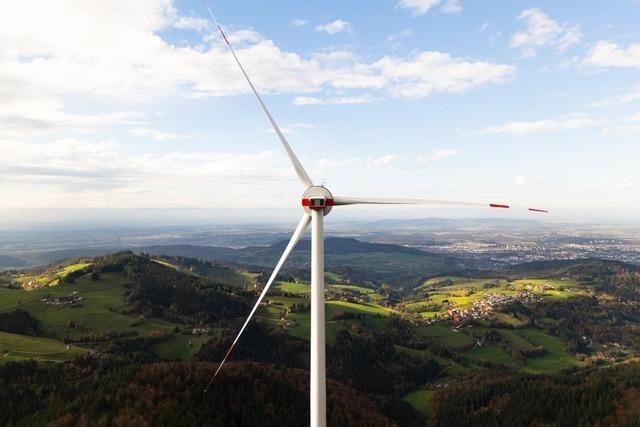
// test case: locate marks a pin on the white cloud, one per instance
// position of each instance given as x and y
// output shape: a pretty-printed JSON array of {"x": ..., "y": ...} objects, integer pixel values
[
  {"x": 77, "y": 173},
  {"x": 542, "y": 31},
  {"x": 433, "y": 72},
  {"x": 124, "y": 58},
  {"x": 192, "y": 23},
  {"x": 520, "y": 180},
  {"x": 633, "y": 95},
  {"x": 451, "y": 6},
  {"x": 607, "y": 54},
  {"x": 437, "y": 155},
  {"x": 78, "y": 69},
  {"x": 382, "y": 163},
  {"x": 157, "y": 135},
  {"x": 394, "y": 38},
  {"x": 299, "y": 22},
  {"x": 540, "y": 126},
  {"x": 623, "y": 128},
  {"x": 421, "y": 7},
  {"x": 335, "y": 27},
  {"x": 29, "y": 114},
  {"x": 294, "y": 128},
  {"x": 358, "y": 99},
  {"x": 622, "y": 131},
  {"x": 490, "y": 29}
]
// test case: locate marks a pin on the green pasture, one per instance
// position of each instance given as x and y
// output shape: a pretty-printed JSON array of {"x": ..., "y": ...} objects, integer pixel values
[
  {"x": 420, "y": 399},
  {"x": 49, "y": 277},
  {"x": 509, "y": 320},
  {"x": 443, "y": 335},
  {"x": 556, "y": 357},
  {"x": 515, "y": 340},
  {"x": 103, "y": 299},
  {"x": 181, "y": 347},
  {"x": 491, "y": 353},
  {"x": 15, "y": 347},
  {"x": 293, "y": 287},
  {"x": 368, "y": 309}
]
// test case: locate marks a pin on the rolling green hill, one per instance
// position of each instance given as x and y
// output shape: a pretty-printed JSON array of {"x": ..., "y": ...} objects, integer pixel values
[
  {"x": 403, "y": 350},
  {"x": 353, "y": 260}
]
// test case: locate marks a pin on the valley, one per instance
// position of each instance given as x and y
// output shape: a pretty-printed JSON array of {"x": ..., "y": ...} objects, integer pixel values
[{"x": 530, "y": 319}]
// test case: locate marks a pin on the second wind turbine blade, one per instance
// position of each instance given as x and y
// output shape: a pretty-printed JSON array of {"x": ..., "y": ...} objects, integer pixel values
[
  {"x": 295, "y": 238},
  {"x": 302, "y": 174},
  {"x": 344, "y": 201}
]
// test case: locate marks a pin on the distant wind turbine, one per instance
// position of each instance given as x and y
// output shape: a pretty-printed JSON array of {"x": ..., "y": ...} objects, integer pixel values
[{"x": 317, "y": 202}]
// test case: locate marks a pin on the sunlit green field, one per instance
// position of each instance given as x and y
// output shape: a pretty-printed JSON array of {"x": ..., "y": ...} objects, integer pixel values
[
  {"x": 292, "y": 287},
  {"x": 48, "y": 278},
  {"x": 368, "y": 309},
  {"x": 556, "y": 358},
  {"x": 182, "y": 347},
  {"x": 19, "y": 347},
  {"x": 419, "y": 399},
  {"x": 491, "y": 353},
  {"x": 102, "y": 301},
  {"x": 446, "y": 292},
  {"x": 443, "y": 335}
]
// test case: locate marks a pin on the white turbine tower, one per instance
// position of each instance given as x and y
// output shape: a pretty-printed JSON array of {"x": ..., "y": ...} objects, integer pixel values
[{"x": 317, "y": 202}]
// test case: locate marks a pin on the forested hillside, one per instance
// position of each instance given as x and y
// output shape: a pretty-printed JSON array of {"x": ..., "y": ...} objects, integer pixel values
[{"x": 128, "y": 339}]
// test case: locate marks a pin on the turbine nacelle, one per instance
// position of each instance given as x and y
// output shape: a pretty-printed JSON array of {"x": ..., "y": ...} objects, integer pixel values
[{"x": 317, "y": 198}]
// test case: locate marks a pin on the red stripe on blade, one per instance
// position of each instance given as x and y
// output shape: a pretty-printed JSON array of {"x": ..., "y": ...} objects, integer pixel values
[
  {"x": 538, "y": 210},
  {"x": 496, "y": 205},
  {"x": 223, "y": 36}
]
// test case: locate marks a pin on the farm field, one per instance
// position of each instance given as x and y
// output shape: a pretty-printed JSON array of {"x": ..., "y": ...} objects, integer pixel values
[
  {"x": 491, "y": 353},
  {"x": 15, "y": 347},
  {"x": 435, "y": 296},
  {"x": 49, "y": 277},
  {"x": 420, "y": 399},
  {"x": 104, "y": 299},
  {"x": 181, "y": 347},
  {"x": 556, "y": 358},
  {"x": 98, "y": 313},
  {"x": 444, "y": 335}
]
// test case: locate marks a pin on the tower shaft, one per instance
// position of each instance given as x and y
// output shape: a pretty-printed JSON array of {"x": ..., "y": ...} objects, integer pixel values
[{"x": 318, "y": 371}]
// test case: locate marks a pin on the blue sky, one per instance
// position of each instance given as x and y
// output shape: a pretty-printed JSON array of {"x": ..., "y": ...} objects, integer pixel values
[{"x": 137, "y": 104}]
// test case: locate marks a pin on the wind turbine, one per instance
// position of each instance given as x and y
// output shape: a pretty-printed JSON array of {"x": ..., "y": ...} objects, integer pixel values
[{"x": 317, "y": 202}]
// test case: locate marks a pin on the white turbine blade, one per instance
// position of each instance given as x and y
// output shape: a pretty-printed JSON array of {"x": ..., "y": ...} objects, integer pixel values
[
  {"x": 302, "y": 174},
  {"x": 345, "y": 201},
  {"x": 302, "y": 226}
]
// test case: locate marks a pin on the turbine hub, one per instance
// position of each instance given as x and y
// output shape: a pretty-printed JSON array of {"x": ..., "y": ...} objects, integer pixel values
[{"x": 317, "y": 198}]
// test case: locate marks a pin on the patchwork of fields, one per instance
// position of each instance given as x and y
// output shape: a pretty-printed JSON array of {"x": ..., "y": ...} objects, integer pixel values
[{"x": 348, "y": 306}]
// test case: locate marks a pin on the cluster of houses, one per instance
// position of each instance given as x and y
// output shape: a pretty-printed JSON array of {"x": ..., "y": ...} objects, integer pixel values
[
  {"x": 73, "y": 300},
  {"x": 485, "y": 306}
]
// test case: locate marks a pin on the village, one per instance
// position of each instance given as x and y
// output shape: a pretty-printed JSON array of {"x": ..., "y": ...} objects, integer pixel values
[{"x": 483, "y": 308}]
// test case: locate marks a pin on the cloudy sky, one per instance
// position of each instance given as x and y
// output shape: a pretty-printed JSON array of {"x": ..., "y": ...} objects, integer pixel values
[{"x": 138, "y": 104}]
